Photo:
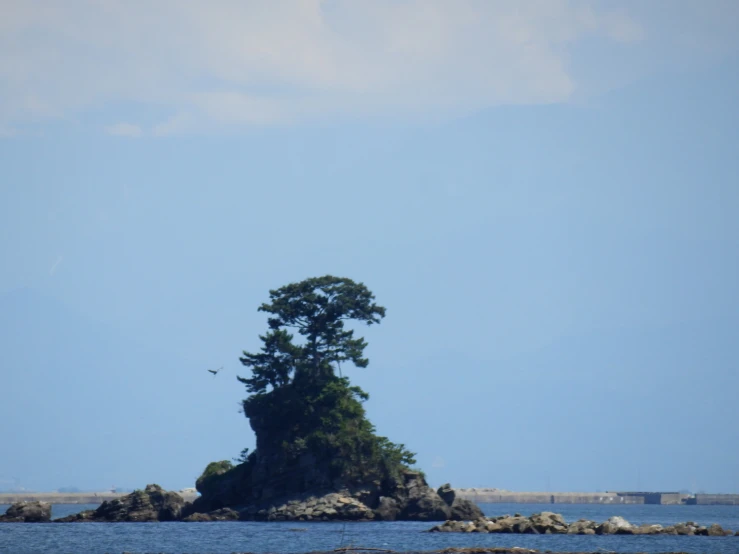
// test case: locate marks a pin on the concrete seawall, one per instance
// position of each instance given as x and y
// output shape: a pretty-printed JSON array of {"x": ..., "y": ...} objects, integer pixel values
[
  {"x": 714, "y": 500},
  {"x": 496, "y": 496},
  {"x": 501, "y": 496}
]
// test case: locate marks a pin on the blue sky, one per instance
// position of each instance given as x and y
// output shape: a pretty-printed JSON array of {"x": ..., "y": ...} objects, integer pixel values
[{"x": 543, "y": 195}]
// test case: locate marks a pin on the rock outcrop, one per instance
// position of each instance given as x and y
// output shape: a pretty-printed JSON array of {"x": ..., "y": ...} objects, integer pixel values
[
  {"x": 407, "y": 499},
  {"x": 224, "y": 514},
  {"x": 460, "y": 508},
  {"x": 27, "y": 512},
  {"x": 551, "y": 523},
  {"x": 151, "y": 504},
  {"x": 582, "y": 527},
  {"x": 331, "y": 506},
  {"x": 419, "y": 502},
  {"x": 615, "y": 525}
]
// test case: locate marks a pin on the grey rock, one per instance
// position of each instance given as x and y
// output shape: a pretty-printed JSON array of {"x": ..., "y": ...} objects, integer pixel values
[
  {"x": 447, "y": 494},
  {"x": 448, "y": 527},
  {"x": 27, "y": 512},
  {"x": 387, "y": 509},
  {"x": 614, "y": 525},
  {"x": 493, "y": 527},
  {"x": 151, "y": 504},
  {"x": 462, "y": 509},
  {"x": 224, "y": 514},
  {"x": 647, "y": 529},
  {"x": 582, "y": 527},
  {"x": 549, "y": 523},
  {"x": 684, "y": 529},
  {"x": 422, "y": 504},
  {"x": 515, "y": 524},
  {"x": 715, "y": 530}
]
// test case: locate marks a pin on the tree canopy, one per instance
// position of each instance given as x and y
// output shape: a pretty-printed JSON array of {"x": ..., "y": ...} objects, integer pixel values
[{"x": 318, "y": 309}]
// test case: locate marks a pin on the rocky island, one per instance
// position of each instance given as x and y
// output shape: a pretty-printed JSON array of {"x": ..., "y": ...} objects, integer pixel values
[{"x": 317, "y": 455}]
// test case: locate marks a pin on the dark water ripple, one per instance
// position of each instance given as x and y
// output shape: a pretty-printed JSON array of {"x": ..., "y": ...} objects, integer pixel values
[{"x": 289, "y": 537}]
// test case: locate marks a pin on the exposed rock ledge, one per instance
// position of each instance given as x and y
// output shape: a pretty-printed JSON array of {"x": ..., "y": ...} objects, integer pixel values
[
  {"x": 151, "y": 504},
  {"x": 551, "y": 523},
  {"x": 413, "y": 500}
]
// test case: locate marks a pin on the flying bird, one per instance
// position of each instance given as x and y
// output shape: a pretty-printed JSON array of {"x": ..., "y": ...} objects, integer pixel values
[{"x": 215, "y": 371}]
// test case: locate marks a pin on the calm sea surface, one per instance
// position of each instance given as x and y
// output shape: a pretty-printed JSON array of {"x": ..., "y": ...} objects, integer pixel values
[{"x": 228, "y": 537}]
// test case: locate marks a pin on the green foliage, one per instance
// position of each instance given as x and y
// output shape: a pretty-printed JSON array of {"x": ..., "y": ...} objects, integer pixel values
[
  {"x": 330, "y": 424},
  {"x": 298, "y": 406},
  {"x": 419, "y": 471},
  {"x": 317, "y": 308},
  {"x": 243, "y": 456},
  {"x": 212, "y": 471},
  {"x": 274, "y": 365}
]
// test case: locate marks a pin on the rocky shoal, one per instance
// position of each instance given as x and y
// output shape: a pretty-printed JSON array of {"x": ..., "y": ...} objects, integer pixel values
[{"x": 551, "y": 523}]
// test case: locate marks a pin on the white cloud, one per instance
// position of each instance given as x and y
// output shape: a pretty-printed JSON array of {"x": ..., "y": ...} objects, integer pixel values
[
  {"x": 238, "y": 62},
  {"x": 124, "y": 130},
  {"x": 438, "y": 462}
]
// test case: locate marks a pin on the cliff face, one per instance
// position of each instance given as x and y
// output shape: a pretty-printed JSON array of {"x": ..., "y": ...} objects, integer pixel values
[{"x": 294, "y": 453}]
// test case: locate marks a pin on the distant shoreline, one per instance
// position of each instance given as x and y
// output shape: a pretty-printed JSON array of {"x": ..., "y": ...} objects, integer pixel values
[
  {"x": 477, "y": 495},
  {"x": 71, "y": 497}
]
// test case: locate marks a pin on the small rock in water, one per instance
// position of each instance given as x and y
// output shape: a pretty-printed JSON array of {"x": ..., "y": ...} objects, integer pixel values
[{"x": 28, "y": 512}]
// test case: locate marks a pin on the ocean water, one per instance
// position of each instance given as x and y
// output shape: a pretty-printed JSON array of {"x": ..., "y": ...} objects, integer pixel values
[{"x": 289, "y": 537}]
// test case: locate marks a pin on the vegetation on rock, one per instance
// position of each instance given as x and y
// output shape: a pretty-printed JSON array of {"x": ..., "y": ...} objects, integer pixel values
[
  {"x": 311, "y": 427},
  {"x": 317, "y": 308},
  {"x": 212, "y": 471}
]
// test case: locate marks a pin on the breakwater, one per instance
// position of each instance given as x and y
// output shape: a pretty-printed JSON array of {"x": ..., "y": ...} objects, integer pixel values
[
  {"x": 484, "y": 495},
  {"x": 499, "y": 496},
  {"x": 714, "y": 500},
  {"x": 59, "y": 498},
  {"x": 493, "y": 496}
]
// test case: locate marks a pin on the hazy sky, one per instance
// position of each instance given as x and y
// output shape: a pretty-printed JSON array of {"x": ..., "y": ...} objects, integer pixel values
[{"x": 544, "y": 196}]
